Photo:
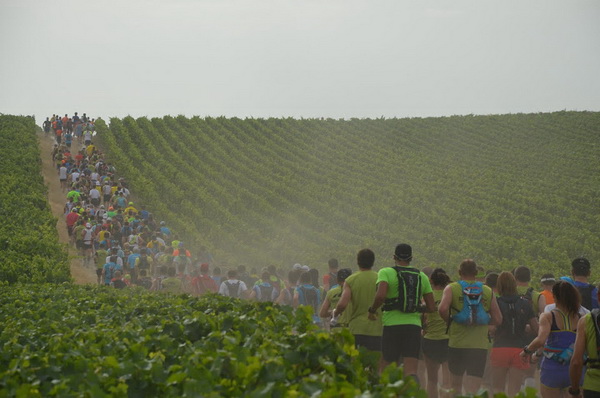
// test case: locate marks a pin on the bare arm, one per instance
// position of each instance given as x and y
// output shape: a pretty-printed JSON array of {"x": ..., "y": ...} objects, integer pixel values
[
  {"x": 429, "y": 302},
  {"x": 541, "y": 303},
  {"x": 543, "y": 332},
  {"x": 296, "y": 299},
  {"x": 344, "y": 300},
  {"x": 382, "y": 288},
  {"x": 495, "y": 312},
  {"x": 445, "y": 303},
  {"x": 576, "y": 366},
  {"x": 324, "y": 313}
]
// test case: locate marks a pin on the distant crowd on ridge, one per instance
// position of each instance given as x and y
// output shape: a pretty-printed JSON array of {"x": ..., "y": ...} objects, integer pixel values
[{"x": 490, "y": 329}]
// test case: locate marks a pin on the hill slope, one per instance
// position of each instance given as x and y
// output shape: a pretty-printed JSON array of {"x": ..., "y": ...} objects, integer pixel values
[{"x": 505, "y": 190}]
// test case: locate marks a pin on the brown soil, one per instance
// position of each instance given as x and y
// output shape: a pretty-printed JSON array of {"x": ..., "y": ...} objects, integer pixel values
[{"x": 57, "y": 199}]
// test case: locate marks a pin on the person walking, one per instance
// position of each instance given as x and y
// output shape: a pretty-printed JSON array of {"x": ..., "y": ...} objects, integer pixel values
[
  {"x": 468, "y": 307},
  {"x": 401, "y": 289},
  {"x": 510, "y": 338},
  {"x": 357, "y": 296},
  {"x": 556, "y": 340}
]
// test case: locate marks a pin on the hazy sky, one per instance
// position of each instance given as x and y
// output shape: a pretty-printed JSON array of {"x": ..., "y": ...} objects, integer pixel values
[{"x": 306, "y": 58}]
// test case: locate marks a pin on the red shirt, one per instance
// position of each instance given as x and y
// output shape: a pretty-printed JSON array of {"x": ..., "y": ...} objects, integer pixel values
[{"x": 72, "y": 218}]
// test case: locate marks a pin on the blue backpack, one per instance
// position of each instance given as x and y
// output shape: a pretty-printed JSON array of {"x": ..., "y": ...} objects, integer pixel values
[{"x": 472, "y": 312}]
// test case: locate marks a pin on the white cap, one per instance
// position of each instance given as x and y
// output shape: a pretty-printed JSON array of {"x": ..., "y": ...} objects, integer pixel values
[
  {"x": 305, "y": 268},
  {"x": 297, "y": 266},
  {"x": 88, "y": 225}
]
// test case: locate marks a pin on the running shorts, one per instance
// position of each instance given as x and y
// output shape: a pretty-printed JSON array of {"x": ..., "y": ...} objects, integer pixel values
[
  {"x": 508, "y": 357},
  {"x": 371, "y": 343},
  {"x": 435, "y": 350},
  {"x": 469, "y": 360},
  {"x": 400, "y": 341}
]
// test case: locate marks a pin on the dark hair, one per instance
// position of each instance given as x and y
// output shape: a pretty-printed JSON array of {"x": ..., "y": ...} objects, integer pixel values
[
  {"x": 232, "y": 274},
  {"x": 439, "y": 277},
  {"x": 567, "y": 296},
  {"x": 314, "y": 277},
  {"x": 522, "y": 274},
  {"x": 171, "y": 271},
  {"x": 272, "y": 270},
  {"x": 293, "y": 276},
  {"x": 333, "y": 263},
  {"x": 305, "y": 278},
  {"x": 580, "y": 267},
  {"x": 265, "y": 276},
  {"x": 467, "y": 268},
  {"x": 365, "y": 258},
  {"x": 507, "y": 284},
  {"x": 550, "y": 279},
  {"x": 491, "y": 279},
  {"x": 217, "y": 271}
]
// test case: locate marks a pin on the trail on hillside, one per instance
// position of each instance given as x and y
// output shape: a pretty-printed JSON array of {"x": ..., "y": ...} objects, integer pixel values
[{"x": 56, "y": 198}]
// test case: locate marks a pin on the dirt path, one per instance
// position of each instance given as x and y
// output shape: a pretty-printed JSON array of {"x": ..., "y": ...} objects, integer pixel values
[{"x": 57, "y": 200}]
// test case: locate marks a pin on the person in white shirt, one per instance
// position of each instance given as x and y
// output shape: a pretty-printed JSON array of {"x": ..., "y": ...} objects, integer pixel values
[
  {"x": 233, "y": 287},
  {"x": 62, "y": 176},
  {"x": 95, "y": 197}
]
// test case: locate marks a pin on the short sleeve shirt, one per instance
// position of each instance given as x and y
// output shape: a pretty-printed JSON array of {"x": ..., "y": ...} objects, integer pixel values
[{"x": 396, "y": 317}]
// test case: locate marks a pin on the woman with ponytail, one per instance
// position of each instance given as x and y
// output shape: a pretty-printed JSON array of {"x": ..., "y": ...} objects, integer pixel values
[
  {"x": 435, "y": 338},
  {"x": 556, "y": 339}
]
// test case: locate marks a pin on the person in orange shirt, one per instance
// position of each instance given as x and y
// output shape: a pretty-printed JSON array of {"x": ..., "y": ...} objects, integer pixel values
[
  {"x": 58, "y": 136},
  {"x": 548, "y": 281}
]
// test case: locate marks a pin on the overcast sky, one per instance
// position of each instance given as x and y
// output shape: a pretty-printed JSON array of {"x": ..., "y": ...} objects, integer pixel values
[{"x": 307, "y": 58}]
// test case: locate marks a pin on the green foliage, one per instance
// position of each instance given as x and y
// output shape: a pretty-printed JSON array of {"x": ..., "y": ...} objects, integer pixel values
[
  {"x": 65, "y": 340},
  {"x": 29, "y": 248},
  {"x": 505, "y": 190}
]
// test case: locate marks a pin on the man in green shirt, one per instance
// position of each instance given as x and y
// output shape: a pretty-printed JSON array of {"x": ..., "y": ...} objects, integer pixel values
[
  {"x": 468, "y": 343},
  {"x": 357, "y": 295},
  {"x": 401, "y": 289}
]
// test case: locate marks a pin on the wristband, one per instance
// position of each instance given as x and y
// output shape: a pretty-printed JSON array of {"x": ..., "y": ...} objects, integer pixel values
[
  {"x": 526, "y": 350},
  {"x": 573, "y": 391},
  {"x": 372, "y": 310}
]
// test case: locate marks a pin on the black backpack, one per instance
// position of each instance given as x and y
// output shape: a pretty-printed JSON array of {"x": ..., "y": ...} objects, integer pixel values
[
  {"x": 586, "y": 295},
  {"x": 310, "y": 296},
  {"x": 409, "y": 291},
  {"x": 266, "y": 291},
  {"x": 233, "y": 288},
  {"x": 514, "y": 316},
  {"x": 594, "y": 363}
]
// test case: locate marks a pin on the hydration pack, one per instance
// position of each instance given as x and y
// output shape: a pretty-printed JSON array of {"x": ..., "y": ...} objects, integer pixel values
[
  {"x": 586, "y": 295},
  {"x": 409, "y": 291},
  {"x": 266, "y": 292},
  {"x": 233, "y": 288},
  {"x": 514, "y": 316},
  {"x": 309, "y": 296},
  {"x": 472, "y": 312}
]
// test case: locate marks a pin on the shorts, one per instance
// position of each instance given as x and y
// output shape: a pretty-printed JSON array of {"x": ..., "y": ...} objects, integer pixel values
[
  {"x": 435, "y": 350},
  {"x": 556, "y": 376},
  {"x": 371, "y": 343},
  {"x": 469, "y": 360},
  {"x": 508, "y": 357},
  {"x": 86, "y": 246},
  {"x": 107, "y": 198},
  {"x": 96, "y": 202},
  {"x": 79, "y": 244},
  {"x": 63, "y": 180},
  {"x": 70, "y": 230},
  {"x": 87, "y": 142},
  {"x": 400, "y": 341}
]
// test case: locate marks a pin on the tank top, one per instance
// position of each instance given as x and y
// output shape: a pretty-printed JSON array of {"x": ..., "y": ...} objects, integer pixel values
[
  {"x": 435, "y": 326},
  {"x": 559, "y": 339},
  {"x": 592, "y": 376}
]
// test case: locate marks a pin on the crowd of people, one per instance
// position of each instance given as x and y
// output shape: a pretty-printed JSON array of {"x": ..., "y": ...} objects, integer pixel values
[{"x": 490, "y": 329}]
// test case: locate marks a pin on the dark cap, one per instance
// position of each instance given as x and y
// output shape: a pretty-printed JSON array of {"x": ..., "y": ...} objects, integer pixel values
[
  {"x": 403, "y": 251},
  {"x": 343, "y": 274},
  {"x": 580, "y": 265}
]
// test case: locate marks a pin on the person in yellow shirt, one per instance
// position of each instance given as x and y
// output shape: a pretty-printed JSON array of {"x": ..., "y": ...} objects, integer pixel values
[{"x": 130, "y": 208}]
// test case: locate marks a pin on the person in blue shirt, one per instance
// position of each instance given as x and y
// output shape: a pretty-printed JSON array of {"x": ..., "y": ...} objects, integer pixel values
[{"x": 580, "y": 272}]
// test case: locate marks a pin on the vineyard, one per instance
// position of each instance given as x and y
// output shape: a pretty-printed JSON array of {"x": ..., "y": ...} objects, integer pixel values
[
  {"x": 506, "y": 190},
  {"x": 29, "y": 248}
]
